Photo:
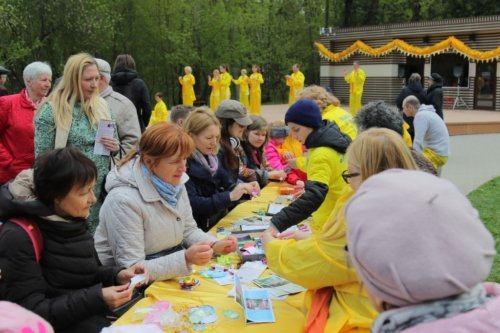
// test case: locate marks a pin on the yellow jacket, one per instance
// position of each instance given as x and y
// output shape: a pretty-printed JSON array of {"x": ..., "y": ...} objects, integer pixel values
[
  {"x": 326, "y": 165},
  {"x": 225, "y": 88},
  {"x": 159, "y": 114},
  {"x": 215, "y": 94},
  {"x": 342, "y": 118},
  {"x": 243, "y": 82},
  {"x": 188, "y": 96},
  {"x": 256, "y": 79},
  {"x": 296, "y": 83},
  {"x": 319, "y": 262}
]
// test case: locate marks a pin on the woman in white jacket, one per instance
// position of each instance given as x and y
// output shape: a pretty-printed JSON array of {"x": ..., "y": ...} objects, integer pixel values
[{"x": 146, "y": 217}]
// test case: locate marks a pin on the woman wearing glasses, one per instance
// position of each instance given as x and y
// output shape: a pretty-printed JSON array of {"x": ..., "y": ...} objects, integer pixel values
[{"x": 335, "y": 300}]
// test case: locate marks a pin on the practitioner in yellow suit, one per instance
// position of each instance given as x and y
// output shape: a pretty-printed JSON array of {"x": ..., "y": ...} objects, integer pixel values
[
  {"x": 356, "y": 80},
  {"x": 225, "y": 79},
  {"x": 215, "y": 83},
  {"x": 243, "y": 82},
  {"x": 187, "y": 81},
  {"x": 295, "y": 82},
  {"x": 256, "y": 79},
  {"x": 160, "y": 111}
]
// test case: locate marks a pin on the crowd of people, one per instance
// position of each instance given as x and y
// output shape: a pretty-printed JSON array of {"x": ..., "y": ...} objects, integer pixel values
[{"x": 393, "y": 247}]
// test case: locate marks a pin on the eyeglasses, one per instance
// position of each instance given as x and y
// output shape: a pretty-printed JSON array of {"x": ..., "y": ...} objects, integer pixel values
[{"x": 347, "y": 176}]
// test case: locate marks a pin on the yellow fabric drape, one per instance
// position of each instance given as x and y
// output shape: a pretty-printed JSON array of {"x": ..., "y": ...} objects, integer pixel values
[
  {"x": 256, "y": 79},
  {"x": 450, "y": 44},
  {"x": 188, "y": 96},
  {"x": 243, "y": 82}
]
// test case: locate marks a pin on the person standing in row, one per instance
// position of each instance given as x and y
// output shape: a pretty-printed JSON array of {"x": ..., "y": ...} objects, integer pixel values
[
  {"x": 243, "y": 82},
  {"x": 434, "y": 94},
  {"x": 124, "y": 81},
  {"x": 16, "y": 121},
  {"x": 356, "y": 81},
  {"x": 256, "y": 80},
  {"x": 295, "y": 82},
  {"x": 225, "y": 79},
  {"x": 187, "y": 82},
  {"x": 215, "y": 95}
]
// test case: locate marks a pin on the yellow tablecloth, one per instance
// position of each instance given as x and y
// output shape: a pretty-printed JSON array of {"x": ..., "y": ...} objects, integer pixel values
[{"x": 288, "y": 314}]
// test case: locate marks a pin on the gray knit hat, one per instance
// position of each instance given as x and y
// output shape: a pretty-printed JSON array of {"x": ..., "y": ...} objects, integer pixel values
[{"x": 414, "y": 237}]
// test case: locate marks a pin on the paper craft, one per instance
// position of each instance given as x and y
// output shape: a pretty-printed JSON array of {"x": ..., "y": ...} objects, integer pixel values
[
  {"x": 256, "y": 303},
  {"x": 274, "y": 209},
  {"x": 250, "y": 271},
  {"x": 106, "y": 128},
  {"x": 222, "y": 275},
  {"x": 135, "y": 280},
  {"x": 278, "y": 286},
  {"x": 250, "y": 247}
]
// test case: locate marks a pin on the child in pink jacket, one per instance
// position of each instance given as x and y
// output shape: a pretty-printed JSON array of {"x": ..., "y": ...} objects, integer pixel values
[{"x": 282, "y": 147}]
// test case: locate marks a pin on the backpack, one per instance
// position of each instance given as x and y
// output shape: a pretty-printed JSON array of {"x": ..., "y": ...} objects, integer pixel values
[{"x": 33, "y": 232}]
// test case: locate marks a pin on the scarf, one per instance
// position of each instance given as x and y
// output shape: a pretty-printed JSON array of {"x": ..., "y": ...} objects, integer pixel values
[
  {"x": 212, "y": 164},
  {"x": 168, "y": 192},
  {"x": 399, "y": 319},
  {"x": 320, "y": 308}
]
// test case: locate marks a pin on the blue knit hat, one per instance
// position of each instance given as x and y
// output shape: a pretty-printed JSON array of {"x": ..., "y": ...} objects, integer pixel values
[{"x": 304, "y": 112}]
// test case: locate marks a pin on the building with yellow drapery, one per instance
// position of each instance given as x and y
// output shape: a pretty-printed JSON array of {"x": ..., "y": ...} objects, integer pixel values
[{"x": 464, "y": 51}]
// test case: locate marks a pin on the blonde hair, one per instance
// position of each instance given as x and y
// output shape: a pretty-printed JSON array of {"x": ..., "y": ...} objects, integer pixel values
[
  {"x": 373, "y": 151},
  {"x": 198, "y": 120},
  {"x": 319, "y": 95},
  {"x": 188, "y": 68},
  {"x": 159, "y": 141},
  {"x": 68, "y": 92}
]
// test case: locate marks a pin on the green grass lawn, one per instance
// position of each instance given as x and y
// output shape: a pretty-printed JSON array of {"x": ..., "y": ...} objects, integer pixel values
[{"x": 486, "y": 199}]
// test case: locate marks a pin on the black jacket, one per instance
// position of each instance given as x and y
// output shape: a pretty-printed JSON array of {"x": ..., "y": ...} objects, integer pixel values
[
  {"x": 65, "y": 288},
  {"x": 329, "y": 135},
  {"x": 254, "y": 160},
  {"x": 208, "y": 195},
  {"x": 434, "y": 97},
  {"x": 126, "y": 83},
  {"x": 412, "y": 88}
]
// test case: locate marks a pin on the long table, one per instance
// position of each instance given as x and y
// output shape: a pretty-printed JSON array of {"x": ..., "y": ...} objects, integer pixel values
[{"x": 288, "y": 313}]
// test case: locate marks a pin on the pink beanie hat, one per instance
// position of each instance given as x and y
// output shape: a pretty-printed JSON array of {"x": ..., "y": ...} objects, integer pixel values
[{"x": 414, "y": 237}]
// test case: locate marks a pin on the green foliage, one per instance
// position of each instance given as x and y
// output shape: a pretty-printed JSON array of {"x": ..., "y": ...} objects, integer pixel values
[
  {"x": 165, "y": 35},
  {"x": 485, "y": 200}
]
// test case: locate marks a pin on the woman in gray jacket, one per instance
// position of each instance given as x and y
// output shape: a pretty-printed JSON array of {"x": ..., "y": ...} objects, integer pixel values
[{"x": 146, "y": 217}]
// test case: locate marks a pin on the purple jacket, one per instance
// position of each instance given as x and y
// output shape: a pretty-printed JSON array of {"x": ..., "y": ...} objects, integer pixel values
[{"x": 484, "y": 319}]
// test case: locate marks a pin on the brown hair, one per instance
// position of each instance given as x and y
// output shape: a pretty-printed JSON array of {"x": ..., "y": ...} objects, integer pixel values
[
  {"x": 159, "y": 141},
  {"x": 258, "y": 123},
  {"x": 123, "y": 61}
]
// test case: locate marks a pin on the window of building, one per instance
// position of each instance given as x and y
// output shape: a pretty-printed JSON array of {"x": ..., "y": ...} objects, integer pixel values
[{"x": 454, "y": 68}]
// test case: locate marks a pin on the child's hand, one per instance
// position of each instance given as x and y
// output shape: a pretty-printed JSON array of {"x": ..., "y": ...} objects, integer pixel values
[
  {"x": 277, "y": 175},
  {"x": 288, "y": 155},
  {"x": 292, "y": 163}
]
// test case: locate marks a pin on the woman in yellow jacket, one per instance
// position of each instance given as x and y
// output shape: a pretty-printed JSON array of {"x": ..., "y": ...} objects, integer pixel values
[
  {"x": 225, "y": 79},
  {"x": 256, "y": 79},
  {"x": 215, "y": 83},
  {"x": 187, "y": 81},
  {"x": 335, "y": 300},
  {"x": 243, "y": 82},
  {"x": 160, "y": 111},
  {"x": 330, "y": 109}
]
